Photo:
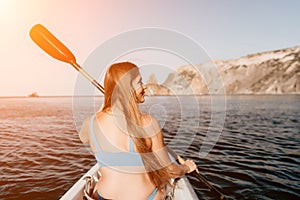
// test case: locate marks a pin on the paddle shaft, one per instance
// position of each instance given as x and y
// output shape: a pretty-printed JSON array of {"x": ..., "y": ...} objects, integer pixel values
[{"x": 88, "y": 76}]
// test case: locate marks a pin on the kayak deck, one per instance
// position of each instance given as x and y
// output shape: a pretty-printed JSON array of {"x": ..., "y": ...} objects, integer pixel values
[{"x": 183, "y": 191}]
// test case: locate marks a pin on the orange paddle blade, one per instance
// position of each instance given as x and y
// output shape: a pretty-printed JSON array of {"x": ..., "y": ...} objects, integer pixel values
[{"x": 50, "y": 44}]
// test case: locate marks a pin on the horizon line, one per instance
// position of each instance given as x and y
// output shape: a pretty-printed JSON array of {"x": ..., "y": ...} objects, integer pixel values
[{"x": 67, "y": 96}]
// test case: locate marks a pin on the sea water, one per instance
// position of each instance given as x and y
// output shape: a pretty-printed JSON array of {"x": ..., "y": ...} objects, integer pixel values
[{"x": 256, "y": 156}]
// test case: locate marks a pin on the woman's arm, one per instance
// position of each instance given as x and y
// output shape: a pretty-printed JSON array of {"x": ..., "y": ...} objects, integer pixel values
[{"x": 159, "y": 148}]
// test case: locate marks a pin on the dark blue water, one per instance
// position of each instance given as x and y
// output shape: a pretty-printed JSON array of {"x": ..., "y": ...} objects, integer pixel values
[{"x": 257, "y": 156}]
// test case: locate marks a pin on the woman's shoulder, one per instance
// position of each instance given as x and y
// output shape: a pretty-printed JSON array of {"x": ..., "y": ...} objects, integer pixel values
[
  {"x": 151, "y": 124},
  {"x": 148, "y": 120},
  {"x": 87, "y": 121}
]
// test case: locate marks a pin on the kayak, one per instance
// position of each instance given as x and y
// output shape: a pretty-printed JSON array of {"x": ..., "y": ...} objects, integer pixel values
[{"x": 183, "y": 190}]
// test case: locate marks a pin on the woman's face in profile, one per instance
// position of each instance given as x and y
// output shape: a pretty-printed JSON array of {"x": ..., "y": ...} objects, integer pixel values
[{"x": 139, "y": 89}]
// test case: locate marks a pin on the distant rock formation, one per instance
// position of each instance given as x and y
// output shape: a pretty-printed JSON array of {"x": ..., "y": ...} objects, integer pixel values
[
  {"x": 34, "y": 94},
  {"x": 274, "y": 72},
  {"x": 153, "y": 88}
]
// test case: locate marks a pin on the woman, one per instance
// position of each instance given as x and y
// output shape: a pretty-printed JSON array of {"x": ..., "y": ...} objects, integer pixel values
[{"x": 128, "y": 144}]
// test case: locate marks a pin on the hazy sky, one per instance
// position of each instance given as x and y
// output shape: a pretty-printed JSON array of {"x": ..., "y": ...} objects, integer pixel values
[{"x": 224, "y": 28}]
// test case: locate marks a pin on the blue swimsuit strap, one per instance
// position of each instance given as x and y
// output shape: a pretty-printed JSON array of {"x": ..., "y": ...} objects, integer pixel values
[
  {"x": 152, "y": 195},
  {"x": 130, "y": 158},
  {"x": 131, "y": 145}
]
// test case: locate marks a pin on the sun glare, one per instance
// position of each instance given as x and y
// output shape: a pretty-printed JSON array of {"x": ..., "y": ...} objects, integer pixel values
[
  {"x": 6, "y": 10},
  {"x": 3, "y": 5}
]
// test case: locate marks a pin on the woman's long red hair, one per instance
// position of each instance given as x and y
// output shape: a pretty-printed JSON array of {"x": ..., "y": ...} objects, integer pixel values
[{"x": 118, "y": 89}]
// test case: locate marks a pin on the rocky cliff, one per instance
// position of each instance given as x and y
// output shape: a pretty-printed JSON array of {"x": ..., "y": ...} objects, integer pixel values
[{"x": 274, "y": 72}]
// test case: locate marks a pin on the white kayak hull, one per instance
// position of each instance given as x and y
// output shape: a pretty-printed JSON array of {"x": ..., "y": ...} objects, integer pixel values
[{"x": 183, "y": 191}]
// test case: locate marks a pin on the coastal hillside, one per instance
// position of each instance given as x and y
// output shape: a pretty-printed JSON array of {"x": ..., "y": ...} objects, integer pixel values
[{"x": 273, "y": 72}]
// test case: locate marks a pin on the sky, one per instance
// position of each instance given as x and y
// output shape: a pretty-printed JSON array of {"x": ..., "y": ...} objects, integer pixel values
[{"x": 226, "y": 29}]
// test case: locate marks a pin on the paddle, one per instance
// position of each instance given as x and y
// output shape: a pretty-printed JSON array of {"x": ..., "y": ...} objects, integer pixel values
[
  {"x": 51, "y": 45},
  {"x": 55, "y": 48}
]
